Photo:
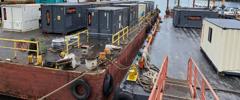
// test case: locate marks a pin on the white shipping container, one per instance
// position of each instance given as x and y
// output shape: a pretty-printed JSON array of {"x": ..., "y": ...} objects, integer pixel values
[
  {"x": 220, "y": 41},
  {"x": 19, "y": 1},
  {"x": 20, "y": 17},
  {"x": 141, "y": 10}
]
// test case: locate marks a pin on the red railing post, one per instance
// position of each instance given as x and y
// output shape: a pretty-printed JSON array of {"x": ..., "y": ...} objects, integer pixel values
[
  {"x": 195, "y": 81},
  {"x": 203, "y": 90},
  {"x": 158, "y": 88},
  {"x": 189, "y": 77},
  {"x": 197, "y": 75}
]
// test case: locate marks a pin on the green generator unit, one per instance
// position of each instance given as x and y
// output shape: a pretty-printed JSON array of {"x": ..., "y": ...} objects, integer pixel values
[{"x": 49, "y": 1}]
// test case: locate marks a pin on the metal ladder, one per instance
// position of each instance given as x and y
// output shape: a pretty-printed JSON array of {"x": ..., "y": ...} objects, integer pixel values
[{"x": 193, "y": 88}]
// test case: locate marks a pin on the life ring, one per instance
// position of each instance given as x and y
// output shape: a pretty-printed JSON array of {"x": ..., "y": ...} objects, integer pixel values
[
  {"x": 86, "y": 87},
  {"x": 120, "y": 95},
  {"x": 107, "y": 85}
]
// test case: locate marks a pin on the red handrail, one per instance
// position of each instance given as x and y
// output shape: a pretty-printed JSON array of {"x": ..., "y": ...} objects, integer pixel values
[
  {"x": 157, "y": 91},
  {"x": 194, "y": 77}
]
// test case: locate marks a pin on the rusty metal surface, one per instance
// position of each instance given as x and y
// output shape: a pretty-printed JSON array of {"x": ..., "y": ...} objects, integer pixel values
[{"x": 30, "y": 82}]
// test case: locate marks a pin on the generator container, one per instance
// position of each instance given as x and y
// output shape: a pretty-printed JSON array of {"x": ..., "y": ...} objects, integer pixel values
[
  {"x": 106, "y": 21},
  {"x": 93, "y": 22},
  {"x": 132, "y": 13},
  {"x": 63, "y": 18},
  {"x": 150, "y": 5},
  {"x": 98, "y": 4},
  {"x": 49, "y": 1},
  {"x": 20, "y": 17},
  {"x": 191, "y": 17},
  {"x": 220, "y": 42}
]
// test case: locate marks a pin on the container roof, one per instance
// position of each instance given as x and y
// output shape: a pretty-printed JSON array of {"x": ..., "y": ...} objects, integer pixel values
[
  {"x": 129, "y": 4},
  {"x": 192, "y": 9},
  {"x": 225, "y": 23},
  {"x": 66, "y": 4},
  {"x": 108, "y": 8}
]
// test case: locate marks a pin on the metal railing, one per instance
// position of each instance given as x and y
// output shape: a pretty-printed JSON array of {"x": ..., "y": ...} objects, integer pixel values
[
  {"x": 157, "y": 91},
  {"x": 196, "y": 79},
  {"x": 68, "y": 38},
  {"x": 21, "y": 45},
  {"x": 122, "y": 34}
]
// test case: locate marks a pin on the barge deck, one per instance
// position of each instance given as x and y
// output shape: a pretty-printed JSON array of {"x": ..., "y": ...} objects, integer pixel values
[
  {"x": 179, "y": 44},
  {"x": 27, "y": 82}
]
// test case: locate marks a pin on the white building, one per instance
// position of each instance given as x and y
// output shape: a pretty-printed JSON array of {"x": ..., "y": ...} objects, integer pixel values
[
  {"x": 20, "y": 17},
  {"x": 220, "y": 41}
]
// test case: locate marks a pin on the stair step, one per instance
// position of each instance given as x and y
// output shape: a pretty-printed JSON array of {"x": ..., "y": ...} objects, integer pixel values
[
  {"x": 176, "y": 81},
  {"x": 172, "y": 97},
  {"x": 176, "y": 88},
  {"x": 177, "y": 84}
]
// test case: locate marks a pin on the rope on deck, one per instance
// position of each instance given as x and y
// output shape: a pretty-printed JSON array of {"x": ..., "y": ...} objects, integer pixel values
[
  {"x": 49, "y": 94},
  {"x": 223, "y": 90}
]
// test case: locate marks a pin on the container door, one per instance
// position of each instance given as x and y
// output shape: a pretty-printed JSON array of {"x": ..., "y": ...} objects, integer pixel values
[
  {"x": 17, "y": 17},
  {"x": 124, "y": 17},
  {"x": 59, "y": 18},
  {"x": 47, "y": 19},
  {"x": 84, "y": 15},
  {"x": 7, "y": 18},
  {"x": 70, "y": 21},
  {"x": 93, "y": 21},
  {"x": 105, "y": 22},
  {"x": 119, "y": 23},
  {"x": 77, "y": 22}
]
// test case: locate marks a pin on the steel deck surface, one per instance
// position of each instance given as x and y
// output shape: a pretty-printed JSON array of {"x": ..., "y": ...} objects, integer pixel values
[{"x": 180, "y": 44}]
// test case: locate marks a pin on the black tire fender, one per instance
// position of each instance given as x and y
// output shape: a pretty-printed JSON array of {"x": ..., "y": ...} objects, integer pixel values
[
  {"x": 107, "y": 85},
  {"x": 86, "y": 87}
]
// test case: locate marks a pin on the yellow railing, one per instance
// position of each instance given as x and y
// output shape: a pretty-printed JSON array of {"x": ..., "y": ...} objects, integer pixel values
[
  {"x": 141, "y": 18},
  {"x": 122, "y": 34},
  {"x": 23, "y": 42},
  {"x": 238, "y": 16},
  {"x": 67, "y": 39}
]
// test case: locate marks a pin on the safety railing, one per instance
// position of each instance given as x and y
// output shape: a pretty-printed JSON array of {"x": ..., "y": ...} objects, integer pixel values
[
  {"x": 141, "y": 18},
  {"x": 157, "y": 91},
  {"x": 238, "y": 16},
  {"x": 21, "y": 45},
  {"x": 77, "y": 41},
  {"x": 196, "y": 80},
  {"x": 122, "y": 34}
]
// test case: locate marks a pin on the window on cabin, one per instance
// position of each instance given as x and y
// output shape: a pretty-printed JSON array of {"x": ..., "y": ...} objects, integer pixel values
[{"x": 210, "y": 34}]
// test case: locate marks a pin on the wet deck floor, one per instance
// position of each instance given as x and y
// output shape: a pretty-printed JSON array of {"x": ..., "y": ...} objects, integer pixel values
[{"x": 180, "y": 44}]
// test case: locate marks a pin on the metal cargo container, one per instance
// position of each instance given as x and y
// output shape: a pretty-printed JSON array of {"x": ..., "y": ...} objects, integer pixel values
[
  {"x": 19, "y": 1},
  {"x": 20, "y": 17},
  {"x": 220, "y": 41},
  {"x": 63, "y": 18},
  {"x": 141, "y": 10},
  {"x": 132, "y": 13},
  {"x": 106, "y": 21},
  {"x": 120, "y": 2},
  {"x": 191, "y": 17},
  {"x": 93, "y": 21},
  {"x": 49, "y": 1},
  {"x": 98, "y": 4},
  {"x": 150, "y": 5}
]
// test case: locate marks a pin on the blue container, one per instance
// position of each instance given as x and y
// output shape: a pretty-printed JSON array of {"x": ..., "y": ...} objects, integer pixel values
[{"x": 49, "y": 1}]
